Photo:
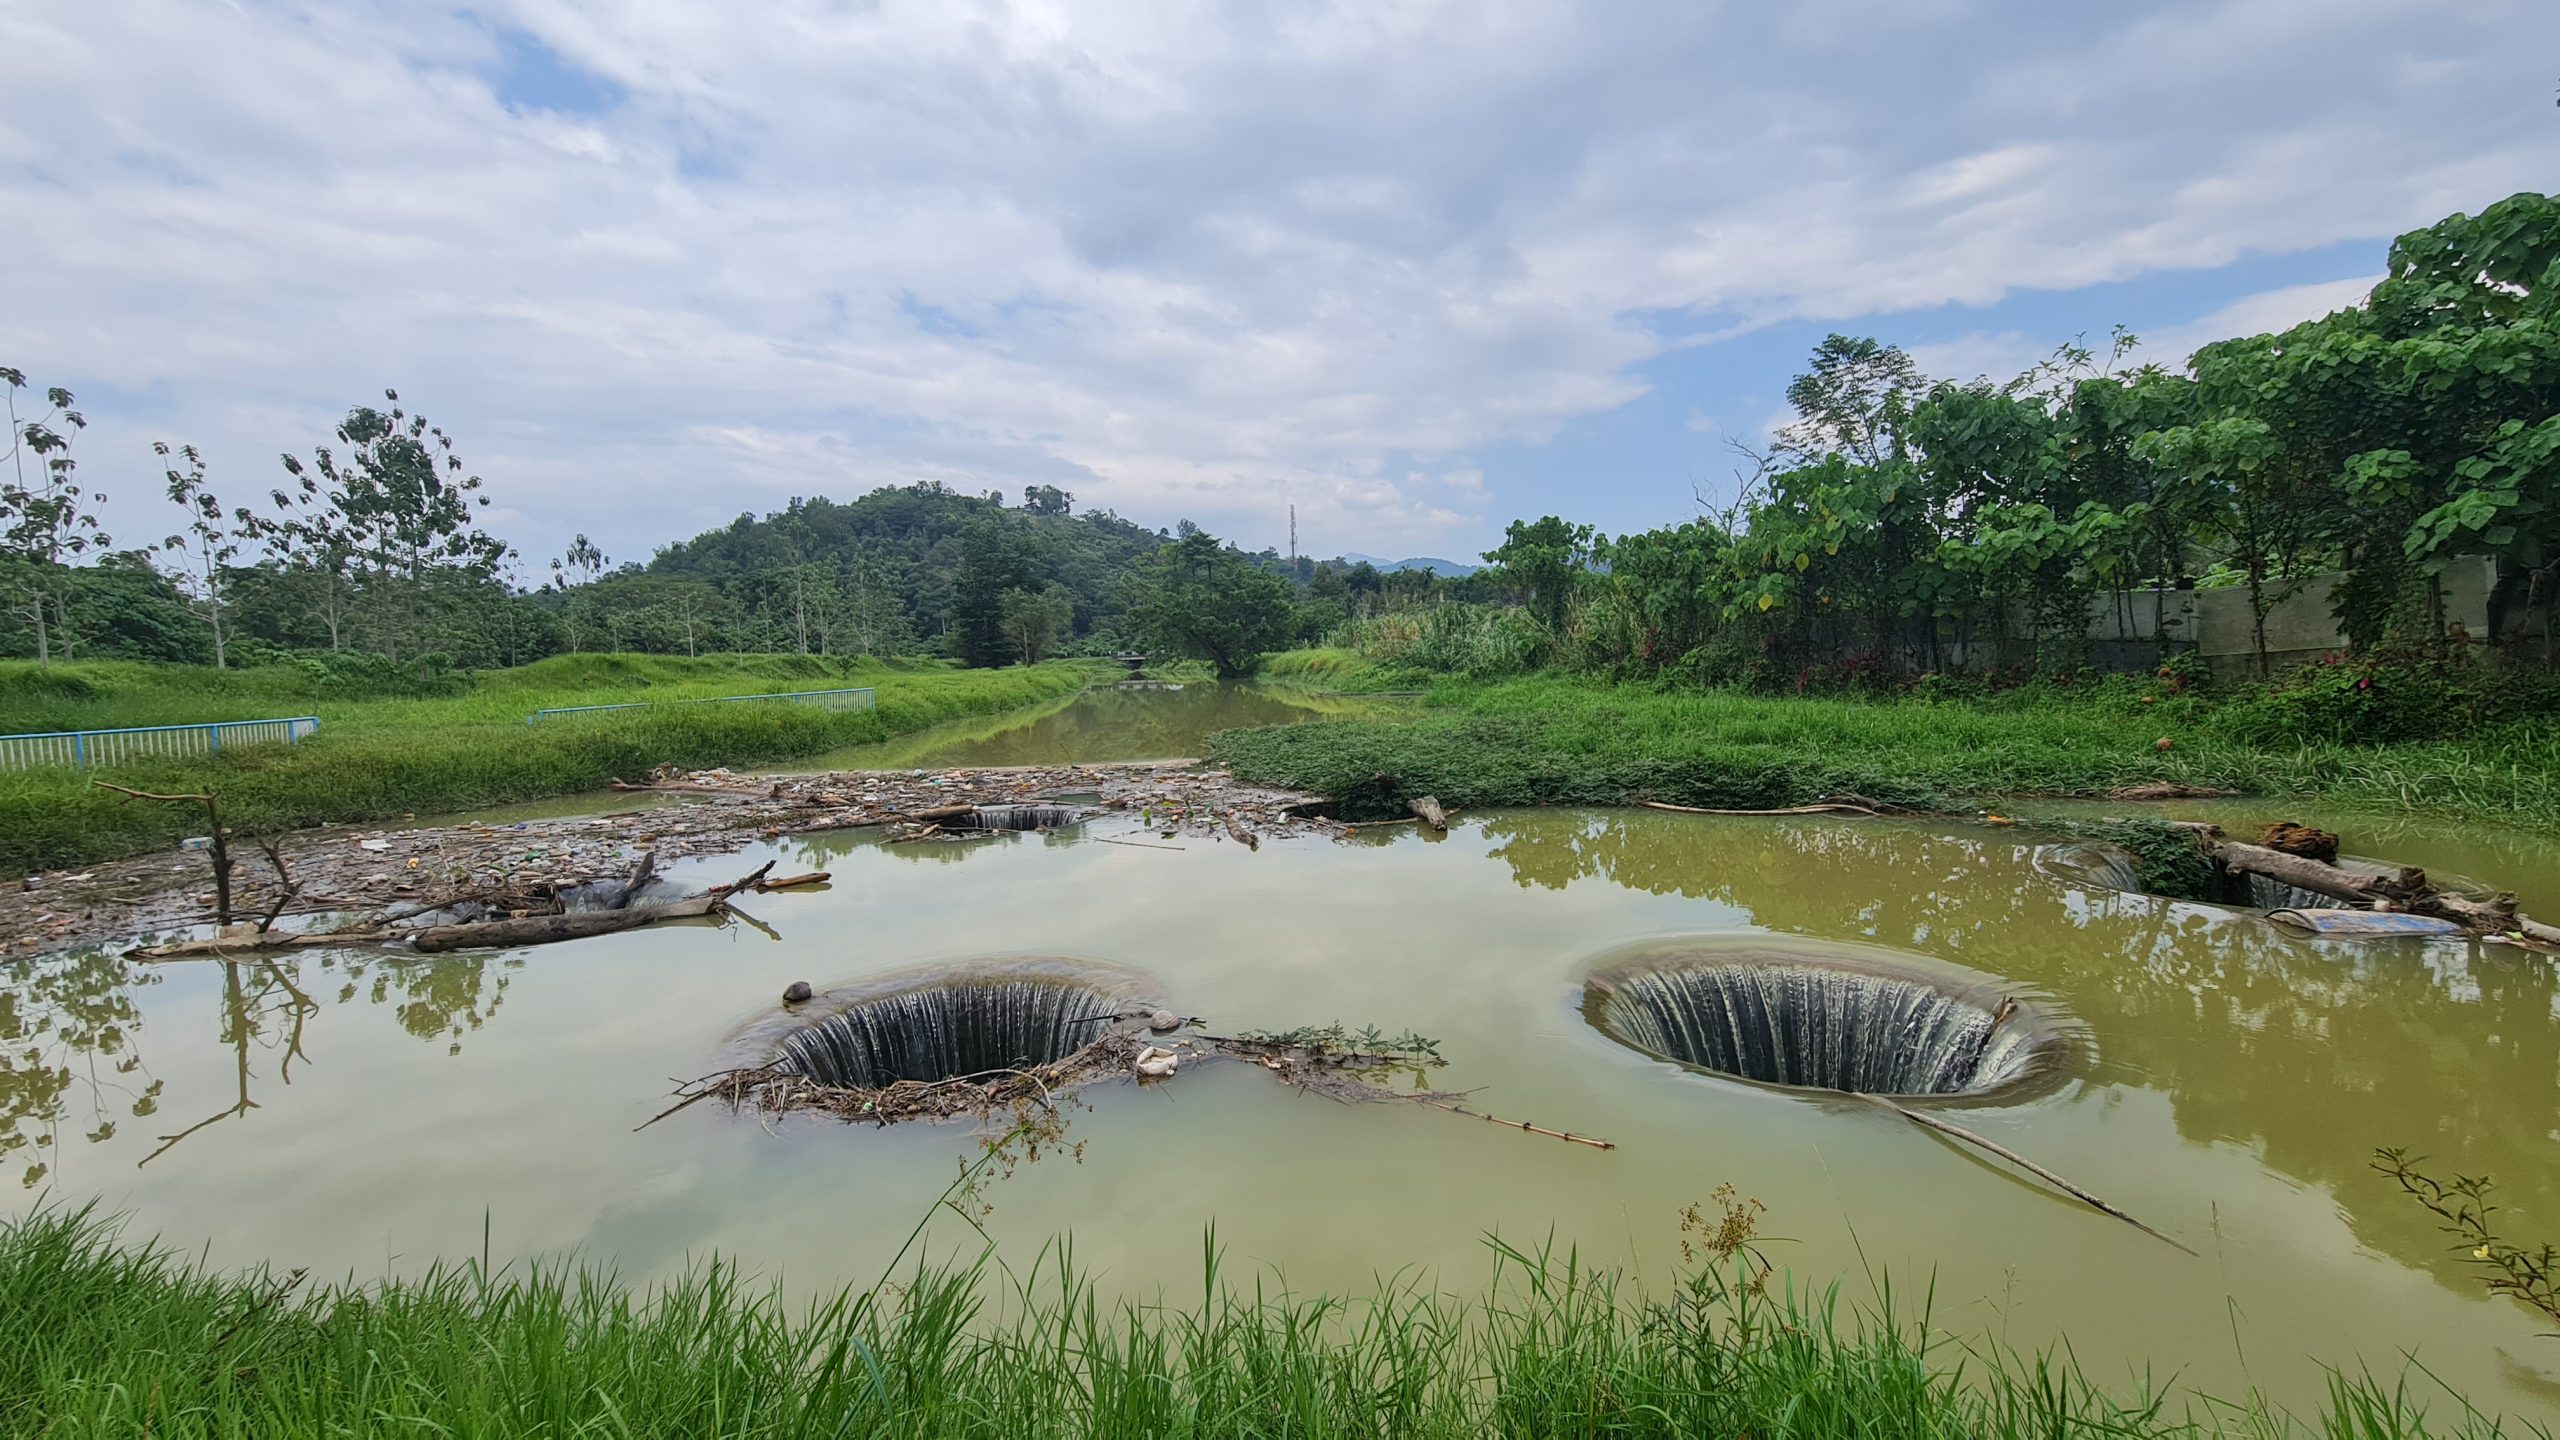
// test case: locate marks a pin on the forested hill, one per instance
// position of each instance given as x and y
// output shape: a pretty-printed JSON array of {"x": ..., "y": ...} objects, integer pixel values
[{"x": 886, "y": 571}]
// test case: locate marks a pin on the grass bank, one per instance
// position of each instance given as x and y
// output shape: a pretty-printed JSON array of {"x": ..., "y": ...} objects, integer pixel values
[
  {"x": 1555, "y": 739},
  {"x": 108, "y": 1339},
  {"x": 385, "y": 755}
]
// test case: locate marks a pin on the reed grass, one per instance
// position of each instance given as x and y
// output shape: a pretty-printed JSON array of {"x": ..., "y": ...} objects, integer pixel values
[
  {"x": 111, "y": 1338},
  {"x": 387, "y": 756},
  {"x": 1552, "y": 739}
]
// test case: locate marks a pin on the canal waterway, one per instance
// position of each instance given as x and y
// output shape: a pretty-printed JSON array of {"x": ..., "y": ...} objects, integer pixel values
[{"x": 362, "y": 1115}]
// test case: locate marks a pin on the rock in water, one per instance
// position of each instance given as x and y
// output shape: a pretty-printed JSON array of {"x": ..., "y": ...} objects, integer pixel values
[
  {"x": 796, "y": 991},
  {"x": 2301, "y": 840}
]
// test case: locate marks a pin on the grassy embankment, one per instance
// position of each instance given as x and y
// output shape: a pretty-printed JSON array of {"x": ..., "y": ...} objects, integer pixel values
[
  {"x": 384, "y": 756},
  {"x": 108, "y": 1339},
  {"x": 1558, "y": 739}
]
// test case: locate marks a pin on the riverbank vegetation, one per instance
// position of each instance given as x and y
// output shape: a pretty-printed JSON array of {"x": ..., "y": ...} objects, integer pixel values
[
  {"x": 113, "y": 1338},
  {"x": 1552, "y": 739},
  {"x": 391, "y": 744}
]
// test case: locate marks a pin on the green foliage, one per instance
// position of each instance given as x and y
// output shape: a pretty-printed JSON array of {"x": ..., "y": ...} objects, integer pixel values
[
  {"x": 1551, "y": 739},
  {"x": 406, "y": 748},
  {"x": 113, "y": 1339},
  {"x": 1205, "y": 601},
  {"x": 1032, "y": 621},
  {"x": 2168, "y": 860},
  {"x": 1543, "y": 561},
  {"x": 2462, "y": 1207}
]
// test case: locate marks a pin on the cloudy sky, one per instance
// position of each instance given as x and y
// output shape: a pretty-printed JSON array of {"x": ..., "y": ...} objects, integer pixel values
[{"x": 1416, "y": 268}]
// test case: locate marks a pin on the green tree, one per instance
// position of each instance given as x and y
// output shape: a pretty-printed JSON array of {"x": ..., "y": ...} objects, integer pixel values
[
  {"x": 211, "y": 541},
  {"x": 1543, "y": 560},
  {"x": 1032, "y": 621},
  {"x": 44, "y": 520},
  {"x": 1205, "y": 601},
  {"x": 402, "y": 508}
]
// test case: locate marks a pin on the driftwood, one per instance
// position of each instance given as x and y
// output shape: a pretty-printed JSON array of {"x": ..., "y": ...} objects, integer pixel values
[
  {"x": 1958, "y": 1132},
  {"x": 867, "y": 820},
  {"x": 1454, "y": 1108},
  {"x": 222, "y": 947},
  {"x": 639, "y": 880},
  {"x": 218, "y": 846},
  {"x": 787, "y": 882},
  {"x": 543, "y": 929},
  {"x": 2404, "y": 889},
  {"x": 1235, "y": 828},
  {"x": 1427, "y": 809},
  {"x": 673, "y": 787},
  {"x": 1825, "y": 807},
  {"x": 2167, "y": 790}
]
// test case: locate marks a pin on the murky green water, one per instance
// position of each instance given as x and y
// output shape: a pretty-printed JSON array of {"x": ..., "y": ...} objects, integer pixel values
[
  {"x": 361, "y": 1115},
  {"x": 1153, "y": 722}
]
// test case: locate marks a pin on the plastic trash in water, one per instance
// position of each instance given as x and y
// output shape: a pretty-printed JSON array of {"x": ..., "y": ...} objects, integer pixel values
[
  {"x": 196, "y": 842},
  {"x": 2363, "y": 924}
]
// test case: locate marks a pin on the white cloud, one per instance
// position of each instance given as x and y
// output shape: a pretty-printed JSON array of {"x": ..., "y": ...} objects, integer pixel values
[
  {"x": 1184, "y": 259},
  {"x": 2264, "y": 313}
]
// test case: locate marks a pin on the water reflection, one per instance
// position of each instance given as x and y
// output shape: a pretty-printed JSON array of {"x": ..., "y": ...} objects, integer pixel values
[
  {"x": 67, "y": 1024},
  {"x": 2311, "y": 1053},
  {"x": 1099, "y": 725}
]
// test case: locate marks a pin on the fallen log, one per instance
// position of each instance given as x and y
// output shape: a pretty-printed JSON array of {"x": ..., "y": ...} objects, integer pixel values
[
  {"x": 2405, "y": 889},
  {"x": 1426, "y": 808},
  {"x": 2319, "y": 876},
  {"x": 1826, "y": 807},
  {"x": 543, "y": 929}
]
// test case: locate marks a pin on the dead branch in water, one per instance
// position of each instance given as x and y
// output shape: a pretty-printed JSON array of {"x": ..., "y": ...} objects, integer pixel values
[
  {"x": 1949, "y": 1128},
  {"x": 1454, "y": 1108},
  {"x": 218, "y": 846}
]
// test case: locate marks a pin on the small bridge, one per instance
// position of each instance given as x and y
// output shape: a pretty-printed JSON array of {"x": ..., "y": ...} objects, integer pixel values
[{"x": 1133, "y": 660}]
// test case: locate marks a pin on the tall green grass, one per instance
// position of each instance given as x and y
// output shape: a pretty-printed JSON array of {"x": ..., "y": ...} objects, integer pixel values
[
  {"x": 380, "y": 757},
  {"x": 105, "y": 1338},
  {"x": 1551, "y": 739}
]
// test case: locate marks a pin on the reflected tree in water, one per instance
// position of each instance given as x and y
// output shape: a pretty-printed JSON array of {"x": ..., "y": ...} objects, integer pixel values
[
  {"x": 66, "y": 1028},
  {"x": 440, "y": 998},
  {"x": 262, "y": 1009}
]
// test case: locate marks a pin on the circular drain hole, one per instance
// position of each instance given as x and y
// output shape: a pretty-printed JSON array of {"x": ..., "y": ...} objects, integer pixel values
[
  {"x": 946, "y": 1023},
  {"x": 1829, "y": 1018}
]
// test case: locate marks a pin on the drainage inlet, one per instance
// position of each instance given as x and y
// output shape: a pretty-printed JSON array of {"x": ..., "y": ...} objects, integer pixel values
[
  {"x": 947, "y": 1023},
  {"x": 1820, "y": 1018}
]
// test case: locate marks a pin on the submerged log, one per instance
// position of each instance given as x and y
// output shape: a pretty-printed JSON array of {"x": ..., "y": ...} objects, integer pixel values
[
  {"x": 1426, "y": 808},
  {"x": 222, "y": 946}
]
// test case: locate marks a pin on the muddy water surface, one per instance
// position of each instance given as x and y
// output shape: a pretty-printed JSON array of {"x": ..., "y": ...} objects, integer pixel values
[{"x": 361, "y": 1115}]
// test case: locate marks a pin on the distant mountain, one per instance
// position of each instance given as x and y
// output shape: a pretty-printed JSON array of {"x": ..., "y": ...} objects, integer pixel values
[{"x": 1450, "y": 568}]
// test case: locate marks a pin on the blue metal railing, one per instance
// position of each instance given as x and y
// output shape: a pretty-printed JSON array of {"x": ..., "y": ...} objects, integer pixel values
[
  {"x": 859, "y": 698},
  {"x": 148, "y": 742}
]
